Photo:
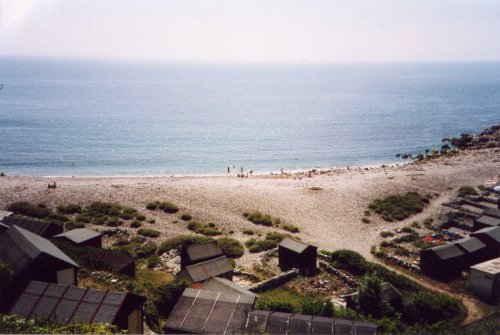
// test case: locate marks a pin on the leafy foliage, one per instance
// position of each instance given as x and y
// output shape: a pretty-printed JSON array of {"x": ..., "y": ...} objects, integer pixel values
[
  {"x": 182, "y": 240},
  {"x": 399, "y": 207},
  {"x": 351, "y": 261},
  {"x": 428, "y": 308},
  {"x": 370, "y": 299},
  {"x": 231, "y": 247}
]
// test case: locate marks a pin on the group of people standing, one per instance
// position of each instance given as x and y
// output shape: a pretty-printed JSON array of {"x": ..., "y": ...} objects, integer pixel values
[{"x": 241, "y": 173}]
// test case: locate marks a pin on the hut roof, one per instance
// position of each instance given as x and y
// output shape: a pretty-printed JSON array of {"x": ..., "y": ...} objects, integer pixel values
[
  {"x": 492, "y": 212},
  {"x": 447, "y": 251},
  {"x": 264, "y": 322},
  {"x": 218, "y": 284},
  {"x": 3, "y": 227},
  {"x": 489, "y": 220},
  {"x": 492, "y": 266},
  {"x": 470, "y": 244},
  {"x": 79, "y": 235},
  {"x": 212, "y": 268},
  {"x": 203, "y": 250},
  {"x": 115, "y": 260},
  {"x": 41, "y": 228},
  {"x": 4, "y": 214},
  {"x": 294, "y": 245},
  {"x": 70, "y": 304},
  {"x": 20, "y": 247},
  {"x": 492, "y": 232},
  {"x": 203, "y": 311}
]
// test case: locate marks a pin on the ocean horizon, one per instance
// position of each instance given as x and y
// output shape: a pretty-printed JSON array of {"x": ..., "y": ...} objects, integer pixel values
[{"x": 104, "y": 118}]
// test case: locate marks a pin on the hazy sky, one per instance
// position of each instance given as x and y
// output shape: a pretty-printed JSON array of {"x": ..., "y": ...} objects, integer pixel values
[{"x": 260, "y": 30}]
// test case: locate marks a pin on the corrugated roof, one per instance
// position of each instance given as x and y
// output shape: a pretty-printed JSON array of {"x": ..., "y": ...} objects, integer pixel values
[
  {"x": 447, "y": 251},
  {"x": 204, "y": 311},
  {"x": 203, "y": 250},
  {"x": 492, "y": 212},
  {"x": 266, "y": 322},
  {"x": 492, "y": 266},
  {"x": 79, "y": 235},
  {"x": 20, "y": 247},
  {"x": 68, "y": 304},
  {"x": 37, "y": 227},
  {"x": 294, "y": 245},
  {"x": 488, "y": 220},
  {"x": 218, "y": 284},
  {"x": 492, "y": 232},
  {"x": 471, "y": 244},
  {"x": 212, "y": 268}
]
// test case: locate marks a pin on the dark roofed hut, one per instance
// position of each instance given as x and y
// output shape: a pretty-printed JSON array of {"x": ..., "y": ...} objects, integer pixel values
[
  {"x": 33, "y": 257},
  {"x": 476, "y": 250},
  {"x": 491, "y": 237},
  {"x": 218, "y": 267},
  {"x": 212, "y": 312},
  {"x": 70, "y": 304},
  {"x": 492, "y": 212},
  {"x": 219, "y": 284},
  {"x": 201, "y": 252},
  {"x": 486, "y": 221},
  {"x": 444, "y": 262},
  {"x": 82, "y": 237},
  {"x": 267, "y": 322},
  {"x": 41, "y": 228},
  {"x": 119, "y": 263},
  {"x": 296, "y": 254}
]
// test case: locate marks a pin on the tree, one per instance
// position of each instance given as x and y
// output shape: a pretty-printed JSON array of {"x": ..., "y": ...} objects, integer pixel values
[{"x": 371, "y": 300}]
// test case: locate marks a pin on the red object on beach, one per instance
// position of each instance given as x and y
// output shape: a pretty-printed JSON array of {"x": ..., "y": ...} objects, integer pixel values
[{"x": 428, "y": 239}]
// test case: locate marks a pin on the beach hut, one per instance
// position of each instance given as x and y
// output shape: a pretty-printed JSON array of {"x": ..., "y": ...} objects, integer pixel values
[
  {"x": 4, "y": 214},
  {"x": 41, "y": 228},
  {"x": 476, "y": 251},
  {"x": 3, "y": 227},
  {"x": 118, "y": 263},
  {"x": 82, "y": 237},
  {"x": 486, "y": 221},
  {"x": 223, "y": 285},
  {"x": 491, "y": 237},
  {"x": 484, "y": 280},
  {"x": 199, "y": 272},
  {"x": 296, "y": 254},
  {"x": 201, "y": 252},
  {"x": 443, "y": 262},
  {"x": 33, "y": 257},
  {"x": 492, "y": 212},
  {"x": 209, "y": 312},
  {"x": 65, "y": 304},
  {"x": 268, "y": 322}
]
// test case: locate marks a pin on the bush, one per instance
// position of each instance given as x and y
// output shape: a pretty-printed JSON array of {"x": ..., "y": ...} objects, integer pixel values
[
  {"x": 276, "y": 237},
  {"x": 259, "y": 218},
  {"x": 399, "y": 207},
  {"x": 25, "y": 208},
  {"x": 351, "y": 261},
  {"x": 260, "y": 245},
  {"x": 365, "y": 219},
  {"x": 151, "y": 221},
  {"x": 291, "y": 228},
  {"x": 386, "y": 233},
  {"x": 180, "y": 241},
  {"x": 140, "y": 217},
  {"x": 113, "y": 222},
  {"x": 153, "y": 262},
  {"x": 199, "y": 228},
  {"x": 231, "y": 247},
  {"x": 152, "y": 206},
  {"x": 168, "y": 207},
  {"x": 431, "y": 307},
  {"x": 148, "y": 232},
  {"x": 428, "y": 223},
  {"x": 466, "y": 190},
  {"x": 186, "y": 216},
  {"x": 315, "y": 306},
  {"x": 409, "y": 230},
  {"x": 135, "y": 224},
  {"x": 248, "y": 231},
  {"x": 166, "y": 295},
  {"x": 145, "y": 250},
  {"x": 371, "y": 300},
  {"x": 69, "y": 209}
]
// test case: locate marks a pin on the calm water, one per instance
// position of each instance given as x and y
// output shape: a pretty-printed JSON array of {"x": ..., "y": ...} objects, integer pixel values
[{"x": 103, "y": 118}]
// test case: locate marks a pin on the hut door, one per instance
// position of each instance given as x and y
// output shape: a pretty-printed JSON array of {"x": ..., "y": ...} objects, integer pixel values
[
  {"x": 135, "y": 322},
  {"x": 66, "y": 277}
]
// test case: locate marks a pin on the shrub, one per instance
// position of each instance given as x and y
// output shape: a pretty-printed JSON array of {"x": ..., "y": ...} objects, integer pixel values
[
  {"x": 85, "y": 256},
  {"x": 261, "y": 245},
  {"x": 259, "y": 218},
  {"x": 231, "y": 247},
  {"x": 386, "y": 233},
  {"x": 179, "y": 241},
  {"x": 431, "y": 307},
  {"x": 428, "y": 223},
  {"x": 151, "y": 221},
  {"x": 199, "y": 228},
  {"x": 315, "y": 306},
  {"x": 371, "y": 300},
  {"x": 148, "y": 232},
  {"x": 290, "y": 228},
  {"x": 248, "y": 231},
  {"x": 125, "y": 216},
  {"x": 351, "y": 261},
  {"x": 113, "y": 222},
  {"x": 135, "y": 224},
  {"x": 365, "y": 219},
  {"x": 415, "y": 224},
  {"x": 69, "y": 209},
  {"x": 409, "y": 230},
  {"x": 399, "y": 207},
  {"x": 168, "y": 207},
  {"x": 466, "y": 190},
  {"x": 140, "y": 217},
  {"x": 153, "y": 262},
  {"x": 25, "y": 208},
  {"x": 145, "y": 250},
  {"x": 152, "y": 206},
  {"x": 407, "y": 238},
  {"x": 166, "y": 295},
  {"x": 186, "y": 216}
]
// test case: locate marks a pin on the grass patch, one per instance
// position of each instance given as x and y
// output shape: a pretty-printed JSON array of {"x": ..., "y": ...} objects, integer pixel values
[
  {"x": 428, "y": 223},
  {"x": 186, "y": 216},
  {"x": 466, "y": 190},
  {"x": 148, "y": 232},
  {"x": 248, "y": 232},
  {"x": 365, "y": 219},
  {"x": 231, "y": 247},
  {"x": 69, "y": 209},
  {"x": 204, "y": 229},
  {"x": 386, "y": 233},
  {"x": 39, "y": 211},
  {"x": 260, "y": 218},
  {"x": 168, "y": 207},
  {"x": 179, "y": 241},
  {"x": 135, "y": 247},
  {"x": 399, "y": 207},
  {"x": 152, "y": 277},
  {"x": 135, "y": 224},
  {"x": 291, "y": 228}
]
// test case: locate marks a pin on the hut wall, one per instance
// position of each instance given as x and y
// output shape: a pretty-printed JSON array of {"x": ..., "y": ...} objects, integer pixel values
[
  {"x": 435, "y": 267},
  {"x": 290, "y": 259},
  {"x": 484, "y": 285}
]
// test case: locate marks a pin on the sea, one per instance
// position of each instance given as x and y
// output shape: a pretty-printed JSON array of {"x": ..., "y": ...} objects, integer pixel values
[{"x": 70, "y": 117}]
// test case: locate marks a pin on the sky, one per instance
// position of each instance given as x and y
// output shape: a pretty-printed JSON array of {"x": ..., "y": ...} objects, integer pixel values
[{"x": 253, "y": 31}]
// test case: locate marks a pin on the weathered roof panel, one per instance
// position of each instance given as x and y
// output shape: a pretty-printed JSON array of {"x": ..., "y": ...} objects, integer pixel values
[
  {"x": 491, "y": 267},
  {"x": 447, "y": 251},
  {"x": 219, "y": 284},
  {"x": 40, "y": 228},
  {"x": 471, "y": 244},
  {"x": 489, "y": 220},
  {"x": 212, "y": 268},
  {"x": 79, "y": 235},
  {"x": 294, "y": 245},
  {"x": 492, "y": 232},
  {"x": 203, "y": 250}
]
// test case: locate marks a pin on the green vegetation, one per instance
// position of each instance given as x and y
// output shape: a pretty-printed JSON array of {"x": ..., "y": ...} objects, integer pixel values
[
  {"x": 11, "y": 324},
  {"x": 168, "y": 207},
  {"x": 39, "y": 211},
  {"x": 152, "y": 206},
  {"x": 179, "y": 241},
  {"x": 271, "y": 241},
  {"x": 365, "y": 219},
  {"x": 466, "y": 190},
  {"x": 428, "y": 223},
  {"x": 135, "y": 247},
  {"x": 248, "y": 232},
  {"x": 151, "y": 221},
  {"x": 148, "y": 232},
  {"x": 370, "y": 299},
  {"x": 204, "y": 229},
  {"x": 415, "y": 224},
  {"x": 349, "y": 260},
  {"x": 113, "y": 222},
  {"x": 426, "y": 308},
  {"x": 290, "y": 228},
  {"x": 135, "y": 224},
  {"x": 409, "y": 230},
  {"x": 399, "y": 207},
  {"x": 385, "y": 233},
  {"x": 140, "y": 217},
  {"x": 186, "y": 216},
  {"x": 231, "y": 247},
  {"x": 69, "y": 209},
  {"x": 260, "y": 218}
]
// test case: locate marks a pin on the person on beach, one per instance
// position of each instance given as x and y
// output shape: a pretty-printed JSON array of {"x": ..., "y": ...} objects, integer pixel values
[
  {"x": 282, "y": 172},
  {"x": 228, "y": 169}
]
